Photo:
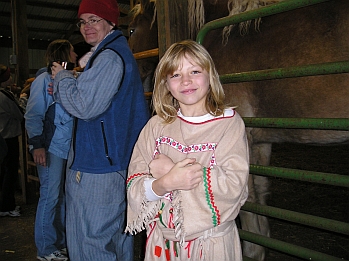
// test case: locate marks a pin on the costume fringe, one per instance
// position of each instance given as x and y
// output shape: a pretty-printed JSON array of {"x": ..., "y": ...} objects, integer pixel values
[
  {"x": 178, "y": 217},
  {"x": 147, "y": 212}
]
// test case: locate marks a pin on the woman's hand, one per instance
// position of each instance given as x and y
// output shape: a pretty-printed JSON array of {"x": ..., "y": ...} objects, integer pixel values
[
  {"x": 185, "y": 175},
  {"x": 56, "y": 68},
  {"x": 160, "y": 165},
  {"x": 39, "y": 156}
]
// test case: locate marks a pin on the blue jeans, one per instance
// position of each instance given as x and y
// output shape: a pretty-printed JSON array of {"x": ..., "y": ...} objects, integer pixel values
[
  {"x": 96, "y": 210},
  {"x": 50, "y": 213}
]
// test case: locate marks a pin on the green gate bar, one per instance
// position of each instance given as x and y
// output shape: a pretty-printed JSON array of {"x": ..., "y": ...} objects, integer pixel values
[
  {"x": 299, "y": 123},
  {"x": 284, "y": 247},
  {"x": 299, "y": 218},
  {"x": 302, "y": 175},
  {"x": 280, "y": 7},
  {"x": 289, "y": 72}
]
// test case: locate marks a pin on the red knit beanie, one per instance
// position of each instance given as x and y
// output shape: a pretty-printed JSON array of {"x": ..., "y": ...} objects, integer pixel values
[{"x": 106, "y": 9}]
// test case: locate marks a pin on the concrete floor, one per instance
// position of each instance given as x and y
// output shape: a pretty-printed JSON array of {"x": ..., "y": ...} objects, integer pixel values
[{"x": 17, "y": 233}]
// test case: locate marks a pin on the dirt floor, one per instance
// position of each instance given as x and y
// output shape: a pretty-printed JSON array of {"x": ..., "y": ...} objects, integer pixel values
[{"x": 17, "y": 241}]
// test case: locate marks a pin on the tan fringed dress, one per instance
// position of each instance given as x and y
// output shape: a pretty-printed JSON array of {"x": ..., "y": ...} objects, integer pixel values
[{"x": 197, "y": 224}]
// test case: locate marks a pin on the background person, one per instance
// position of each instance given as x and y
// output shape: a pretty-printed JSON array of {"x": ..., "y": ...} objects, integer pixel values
[
  {"x": 189, "y": 169},
  {"x": 49, "y": 127},
  {"x": 3, "y": 150},
  {"x": 11, "y": 117},
  {"x": 25, "y": 93},
  {"x": 108, "y": 101}
]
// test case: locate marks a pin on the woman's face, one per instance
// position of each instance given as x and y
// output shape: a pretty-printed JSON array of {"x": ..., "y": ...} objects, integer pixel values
[
  {"x": 189, "y": 84},
  {"x": 94, "y": 34}
]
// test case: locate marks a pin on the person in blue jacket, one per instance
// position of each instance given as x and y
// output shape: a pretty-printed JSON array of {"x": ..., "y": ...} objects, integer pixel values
[
  {"x": 49, "y": 127},
  {"x": 108, "y": 101}
]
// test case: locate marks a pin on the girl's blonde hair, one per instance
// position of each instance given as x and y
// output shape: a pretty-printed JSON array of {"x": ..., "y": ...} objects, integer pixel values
[{"x": 165, "y": 105}]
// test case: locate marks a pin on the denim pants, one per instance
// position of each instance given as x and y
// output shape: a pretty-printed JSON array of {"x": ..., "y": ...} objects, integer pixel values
[
  {"x": 50, "y": 213},
  {"x": 96, "y": 205}
]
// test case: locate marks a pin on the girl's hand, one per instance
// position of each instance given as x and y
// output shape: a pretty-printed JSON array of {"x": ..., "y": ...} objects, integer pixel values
[
  {"x": 185, "y": 175},
  {"x": 39, "y": 156},
  {"x": 50, "y": 88},
  {"x": 160, "y": 165}
]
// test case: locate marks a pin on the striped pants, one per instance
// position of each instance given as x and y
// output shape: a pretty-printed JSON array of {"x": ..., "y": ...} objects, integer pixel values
[{"x": 96, "y": 205}]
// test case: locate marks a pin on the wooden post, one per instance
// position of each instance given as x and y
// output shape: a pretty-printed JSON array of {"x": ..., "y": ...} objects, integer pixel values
[
  {"x": 20, "y": 60},
  {"x": 20, "y": 41},
  {"x": 172, "y": 18}
]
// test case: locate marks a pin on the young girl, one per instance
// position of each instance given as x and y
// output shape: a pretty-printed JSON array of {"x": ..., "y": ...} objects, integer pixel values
[{"x": 189, "y": 169}]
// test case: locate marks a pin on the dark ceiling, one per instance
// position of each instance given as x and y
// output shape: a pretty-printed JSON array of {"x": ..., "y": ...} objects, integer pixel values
[{"x": 48, "y": 20}]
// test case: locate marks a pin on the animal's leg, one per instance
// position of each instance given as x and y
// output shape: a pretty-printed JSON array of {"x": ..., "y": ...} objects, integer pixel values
[
  {"x": 258, "y": 192},
  {"x": 250, "y": 222},
  {"x": 253, "y": 223},
  {"x": 262, "y": 153}
]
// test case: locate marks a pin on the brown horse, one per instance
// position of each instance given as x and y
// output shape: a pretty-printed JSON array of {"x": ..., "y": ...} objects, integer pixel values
[{"x": 308, "y": 35}]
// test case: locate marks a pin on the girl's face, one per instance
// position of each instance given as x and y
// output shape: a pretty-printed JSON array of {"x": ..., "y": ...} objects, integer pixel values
[
  {"x": 94, "y": 34},
  {"x": 189, "y": 84}
]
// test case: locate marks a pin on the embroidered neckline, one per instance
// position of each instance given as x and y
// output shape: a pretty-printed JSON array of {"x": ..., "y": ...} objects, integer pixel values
[{"x": 200, "y": 147}]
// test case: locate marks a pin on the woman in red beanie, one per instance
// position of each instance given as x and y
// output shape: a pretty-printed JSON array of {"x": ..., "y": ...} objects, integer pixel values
[{"x": 108, "y": 101}]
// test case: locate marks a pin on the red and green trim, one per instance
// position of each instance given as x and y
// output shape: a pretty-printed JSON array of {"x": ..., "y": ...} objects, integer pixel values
[
  {"x": 216, "y": 217},
  {"x": 133, "y": 177}
]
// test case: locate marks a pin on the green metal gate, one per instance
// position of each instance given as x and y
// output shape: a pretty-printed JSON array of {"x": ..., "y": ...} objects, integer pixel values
[{"x": 295, "y": 123}]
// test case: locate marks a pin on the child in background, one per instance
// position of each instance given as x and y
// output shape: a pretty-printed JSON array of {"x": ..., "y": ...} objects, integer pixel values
[{"x": 189, "y": 169}]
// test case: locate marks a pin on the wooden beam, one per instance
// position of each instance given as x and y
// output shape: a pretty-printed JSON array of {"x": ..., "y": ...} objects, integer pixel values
[
  {"x": 43, "y": 18},
  {"x": 46, "y": 4},
  {"x": 172, "y": 18},
  {"x": 20, "y": 40}
]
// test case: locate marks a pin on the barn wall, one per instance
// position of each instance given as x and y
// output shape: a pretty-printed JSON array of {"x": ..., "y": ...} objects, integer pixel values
[
  {"x": 5, "y": 55},
  {"x": 36, "y": 59},
  {"x": 37, "y": 56}
]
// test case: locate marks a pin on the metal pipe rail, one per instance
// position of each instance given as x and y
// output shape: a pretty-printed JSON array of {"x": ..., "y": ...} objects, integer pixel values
[
  {"x": 298, "y": 218},
  {"x": 289, "y": 72},
  {"x": 340, "y": 124},
  {"x": 272, "y": 9},
  {"x": 288, "y": 248},
  {"x": 301, "y": 175}
]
